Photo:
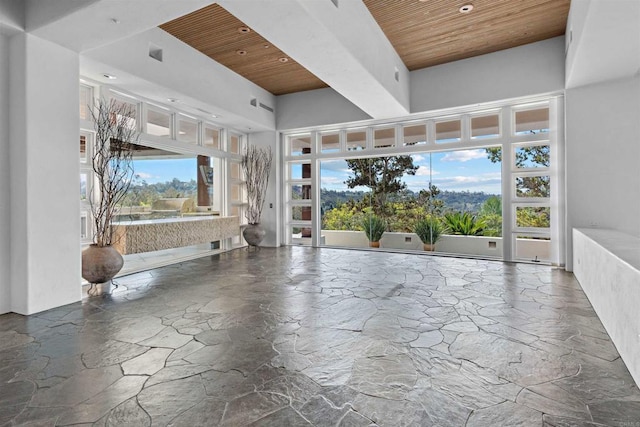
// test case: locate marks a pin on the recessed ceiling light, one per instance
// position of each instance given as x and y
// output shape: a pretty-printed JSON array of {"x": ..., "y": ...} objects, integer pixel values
[
  {"x": 466, "y": 8},
  {"x": 266, "y": 46},
  {"x": 110, "y": 76},
  {"x": 214, "y": 116},
  {"x": 172, "y": 100},
  {"x": 283, "y": 59},
  {"x": 241, "y": 52},
  {"x": 244, "y": 30}
]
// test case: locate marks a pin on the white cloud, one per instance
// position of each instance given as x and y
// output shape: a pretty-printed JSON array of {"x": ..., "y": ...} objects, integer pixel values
[
  {"x": 424, "y": 171},
  {"x": 417, "y": 157},
  {"x": 144, "y": 175},
  {"x": 464, "y": 155},
  {"x": 335, "y": 166},
  {"x": 331, "y": 180},
  {"x": 487, "y": 177}
]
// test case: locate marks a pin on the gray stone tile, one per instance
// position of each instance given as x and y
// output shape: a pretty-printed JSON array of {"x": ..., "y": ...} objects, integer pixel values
[
  {"x": 128, "y": 413},
  {"x": 80, "y": 387},
  {"x": 283, "y": 417},
  {"x": 555, "y": 421},
  {"x": 619, "y": 413},
  {"x": 111, "y": 353},
  {"x": 101, "y": 404},
  {"x": 302, "y": 336},
  {"x": 147, "y": 363},
  {"x": 389, "y": 377},
  {"x": 164, "y": 401},
  {"x": 167, "y": 337},
  {"x": 252, "y": 407},
  {"x": 505, "y": 414},
  {"x": 208, "y": 412},
  {"x": 553, "y": 400}
]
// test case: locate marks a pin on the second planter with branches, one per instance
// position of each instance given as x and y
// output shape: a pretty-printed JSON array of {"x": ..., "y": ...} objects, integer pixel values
[{"x": 256, "y": 165}]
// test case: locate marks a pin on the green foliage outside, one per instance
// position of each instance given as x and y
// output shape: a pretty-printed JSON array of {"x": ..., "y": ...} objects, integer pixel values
[
  {"x": 460, "y": 212},
  {"x": 383, "y": 176},
  {"x": 464, "y": 223},
  {"x": 374, "y": 227},
  {"x": 347, "y": 216},
  {"x": 491, "y": 214},
  {"x": 533, "y": 217},
  {"x": 429, "y": 229},
  {"x": 143, "y": 194}
]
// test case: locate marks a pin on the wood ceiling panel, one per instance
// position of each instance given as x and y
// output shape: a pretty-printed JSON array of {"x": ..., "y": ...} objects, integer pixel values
[
  {"x": 214, "y": 31},
  {"x": 427, "y": 33},
  {"x": 424, "y": 33}
]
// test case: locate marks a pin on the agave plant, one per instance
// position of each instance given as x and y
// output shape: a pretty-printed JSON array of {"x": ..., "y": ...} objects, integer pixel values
[
  {"x": 374, "y": 227},
  {"x": 429, "y": 230},
  {"x": 464, "y": 223}
]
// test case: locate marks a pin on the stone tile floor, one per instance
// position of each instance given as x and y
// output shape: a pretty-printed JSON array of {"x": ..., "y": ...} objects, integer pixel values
[{"x": 300, "y": 336}]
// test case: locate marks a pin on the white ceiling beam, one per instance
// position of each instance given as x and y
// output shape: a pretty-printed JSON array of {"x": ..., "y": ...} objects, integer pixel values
[
  {"x": 340, "y": 43},
  {"x": 199, "y": 83},
  {"x": 84, "y": 25},
  {"x": 603, "y": 41}
]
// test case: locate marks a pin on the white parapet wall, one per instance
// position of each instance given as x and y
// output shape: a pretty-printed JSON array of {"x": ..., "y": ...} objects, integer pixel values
[
  {"x": 527, "y": 249},
  {"x": 607, "y": 265}
]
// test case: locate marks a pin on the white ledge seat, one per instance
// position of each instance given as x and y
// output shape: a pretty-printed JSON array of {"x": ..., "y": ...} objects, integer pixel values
[{"x": 607, "y": 265}]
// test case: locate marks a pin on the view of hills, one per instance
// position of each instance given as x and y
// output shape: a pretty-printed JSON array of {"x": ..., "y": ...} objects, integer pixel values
[{"x": 464, "y": 201}]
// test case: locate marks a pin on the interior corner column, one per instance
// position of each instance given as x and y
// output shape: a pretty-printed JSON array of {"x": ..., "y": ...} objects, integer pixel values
[
  {"x": 5, "y": 185},
  {"x": 44, "y": 172}
]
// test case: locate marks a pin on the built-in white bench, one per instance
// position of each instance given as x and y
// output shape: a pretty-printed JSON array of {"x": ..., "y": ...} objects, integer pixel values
[{"x": 607, "y": 265}]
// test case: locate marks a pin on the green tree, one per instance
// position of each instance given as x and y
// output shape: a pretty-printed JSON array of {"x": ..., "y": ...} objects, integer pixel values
[
  {"x": 383, "y": 176},
  {"x": 491, "y": 214},
  {"x": 429, "y": 199},
  {"x": 532, "y": 156},
  {"x": 346, "y": 216}
]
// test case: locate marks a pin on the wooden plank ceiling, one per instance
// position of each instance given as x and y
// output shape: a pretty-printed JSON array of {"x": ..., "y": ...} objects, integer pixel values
[
  {"x": 424, "y": 33},
  {"x": 427, "y": 33},
  {"x": 219, "y": 35}
]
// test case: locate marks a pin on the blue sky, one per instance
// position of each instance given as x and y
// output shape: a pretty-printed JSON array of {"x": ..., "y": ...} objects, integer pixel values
[
  {"x": 464, "y": 170},
  {"x": 154, "y": 171}
]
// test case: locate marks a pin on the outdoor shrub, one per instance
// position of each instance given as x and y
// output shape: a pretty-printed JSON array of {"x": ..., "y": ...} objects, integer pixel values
[{"x": 463, "y": 223}]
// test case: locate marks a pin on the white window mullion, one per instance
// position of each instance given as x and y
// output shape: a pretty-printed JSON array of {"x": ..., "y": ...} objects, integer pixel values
[
  {"x": 557, "y": 202},
  {"x": 508, "y": 239}
]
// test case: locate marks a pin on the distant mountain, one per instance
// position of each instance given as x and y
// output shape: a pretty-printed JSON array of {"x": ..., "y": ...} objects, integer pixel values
[{"x": 465, "y": 201}]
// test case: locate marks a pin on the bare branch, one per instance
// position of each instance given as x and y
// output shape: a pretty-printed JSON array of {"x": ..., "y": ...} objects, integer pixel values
[
  {"x": 256, "y": 164},
  {"x": 112, "y": 162}
]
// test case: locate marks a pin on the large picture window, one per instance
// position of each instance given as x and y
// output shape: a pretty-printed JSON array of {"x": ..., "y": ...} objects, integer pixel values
[
  {"x": 443, "y": 176},
  {"x": 184, "y": 166}
]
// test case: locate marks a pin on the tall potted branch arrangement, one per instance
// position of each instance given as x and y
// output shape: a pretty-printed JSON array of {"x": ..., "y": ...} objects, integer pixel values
[
  {"x": 112, "y": 163},
  {"x": 256, "y": 165}
]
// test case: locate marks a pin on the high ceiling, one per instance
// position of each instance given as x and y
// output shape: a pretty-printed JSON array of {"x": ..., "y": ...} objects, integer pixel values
[{"x": 423, "y": 33}]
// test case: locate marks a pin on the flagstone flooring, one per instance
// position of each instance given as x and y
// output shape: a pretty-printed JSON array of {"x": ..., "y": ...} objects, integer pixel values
[{"x": 325, "y": 337}]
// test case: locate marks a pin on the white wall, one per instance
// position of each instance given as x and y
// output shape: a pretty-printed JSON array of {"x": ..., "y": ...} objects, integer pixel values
[
  {"x": 315, "y": 108},
  {"x": 186, "y": 74},
  {"x": 11, "y": 16},
  {"x": 5, "y": 188},
  {"x": 44, "y": 170},
  {"x": 603, "y": 157},
  {"x": 531, "y": 69},
  {"x": 271, "y": 212},
  {"x": 603, "y": 41}
]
